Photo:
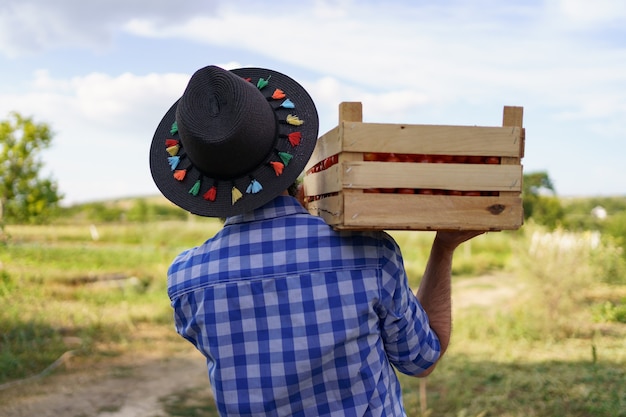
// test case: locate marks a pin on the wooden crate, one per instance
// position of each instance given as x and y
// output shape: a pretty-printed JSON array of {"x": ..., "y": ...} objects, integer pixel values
[{"x": 349, "y": 190}]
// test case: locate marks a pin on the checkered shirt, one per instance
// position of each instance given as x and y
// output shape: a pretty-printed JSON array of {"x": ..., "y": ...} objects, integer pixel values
[{"x": 296, "y": 319}]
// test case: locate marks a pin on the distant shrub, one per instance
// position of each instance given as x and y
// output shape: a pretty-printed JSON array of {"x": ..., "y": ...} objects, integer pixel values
[{"x": 559, "y": 267}]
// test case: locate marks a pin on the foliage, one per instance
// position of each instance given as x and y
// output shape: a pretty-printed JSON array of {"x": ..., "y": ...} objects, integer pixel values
[
  {"x": 62, "y": 290},
  {"x": 134, "y": 210},
  {"x": 25, "y": 196},
  {"x": 539, "y": 200},
  {"x": 555, "y": 347}
]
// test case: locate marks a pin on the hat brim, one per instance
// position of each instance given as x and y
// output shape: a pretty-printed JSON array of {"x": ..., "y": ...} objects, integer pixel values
[{"x": 178, "y": 192}]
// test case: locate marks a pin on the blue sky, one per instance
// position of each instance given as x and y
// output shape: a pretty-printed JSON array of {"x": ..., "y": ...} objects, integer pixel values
[{"x": 103, "y": 72}]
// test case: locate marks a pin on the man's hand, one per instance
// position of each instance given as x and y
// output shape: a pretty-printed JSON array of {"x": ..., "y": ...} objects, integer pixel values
[{"x": 450, "y": 240}]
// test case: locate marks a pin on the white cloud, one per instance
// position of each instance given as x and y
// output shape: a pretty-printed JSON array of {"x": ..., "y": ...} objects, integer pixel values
[
  {"x": 584, "y": 13},
  {"x": 103, "y": 126},
  {"x": 30, "y": 26}
]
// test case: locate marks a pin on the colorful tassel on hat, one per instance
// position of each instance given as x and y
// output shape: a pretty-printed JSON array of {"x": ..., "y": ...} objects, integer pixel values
[
  {"x": 294, "y": 138},
  {"x": 196, "y": 188},
  {"x": 294, "y": 120},
  {"x": 254, "y": 187},
  {"x": 211, "y": 194},
  {"x": 262, "y": 83},
  {"x": 173, "y": 150},
  {"x": 278, "y": 167},
  {"x": 174, "y": 128},
  {"x": 173, "y": 161},
  {"x": 171, "y": 142},
  {"x": 180, "y": 174},
  {"x": 285, "y": 157},
  {"x": 278, "y": 94},
  {"x": 288, "y": 104},
  {"x": 236, "y": 194}
]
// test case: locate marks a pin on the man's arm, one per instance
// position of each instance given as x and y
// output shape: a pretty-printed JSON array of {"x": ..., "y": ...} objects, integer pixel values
[{"x": 434, "y": 292}]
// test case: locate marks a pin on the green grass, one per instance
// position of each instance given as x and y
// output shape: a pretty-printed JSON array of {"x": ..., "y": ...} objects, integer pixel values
[{"x": 554, "y": 348}]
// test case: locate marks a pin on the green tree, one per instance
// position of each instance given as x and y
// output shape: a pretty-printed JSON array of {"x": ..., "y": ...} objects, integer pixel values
[
  {"x": 540, "y": 201},
  {"x": 25, "y": 196}
]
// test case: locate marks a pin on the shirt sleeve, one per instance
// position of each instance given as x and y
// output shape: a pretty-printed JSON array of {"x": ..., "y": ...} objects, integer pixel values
[{"x": 410, "y": 343}]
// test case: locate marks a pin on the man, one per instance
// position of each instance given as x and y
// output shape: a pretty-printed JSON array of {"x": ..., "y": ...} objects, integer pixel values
[{"x": 293, "y": 317}]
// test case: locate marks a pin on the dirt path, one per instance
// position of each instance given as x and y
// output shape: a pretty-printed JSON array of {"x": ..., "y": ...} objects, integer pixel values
[
  {"x": 134, "y": 385},
  {"x": 127, "y": 388}
]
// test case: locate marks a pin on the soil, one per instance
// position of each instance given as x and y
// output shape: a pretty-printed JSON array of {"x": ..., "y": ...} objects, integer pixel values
[
  {"x": 127, "y": 386},
  {"x": 136, "y": 384}
]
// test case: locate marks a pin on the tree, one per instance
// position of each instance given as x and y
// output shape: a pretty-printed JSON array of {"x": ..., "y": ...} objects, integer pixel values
[
  {"x": 25, "y": 197},
  {"x": 540, "y": 201}
]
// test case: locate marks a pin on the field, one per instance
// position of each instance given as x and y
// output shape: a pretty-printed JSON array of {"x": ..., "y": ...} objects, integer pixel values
[{"x": 86, "y": 328}]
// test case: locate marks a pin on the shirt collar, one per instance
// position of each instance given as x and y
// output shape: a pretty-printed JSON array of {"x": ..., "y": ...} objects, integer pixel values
[{"x": 278, "y": 207}]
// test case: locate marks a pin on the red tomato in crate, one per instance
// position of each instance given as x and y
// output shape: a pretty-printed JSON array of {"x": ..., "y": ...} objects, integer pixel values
[
  {"x": 425, "y": 191},
  {"x": 494, "y": 160},
  {"x": 454, "y": 192},
  {"x": 423, "y": 158},
  {"x": 392, "y": 157},
  {"x": 472, "y": 159},
  {"x": 442, "y": 159},
  {"x": 459, "y": 159},
  {"x": 406, "y": 157},
  {"x": 472, "y": 193},
  {"x": 405, "y": 191},
  {"x": 370, "y": 156}
]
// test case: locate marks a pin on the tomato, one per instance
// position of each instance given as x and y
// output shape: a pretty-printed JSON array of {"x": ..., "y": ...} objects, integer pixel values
[
  {"x": 474, "y": 159},
  {"x": 459, "y": 159},
  {"x": 370, "y": 156},
  {"x": 472, "y": 193},
  {"x": 423, "y": 158},
  {"x": 392, "y": 157},
  {"x": 405, "y": 191},
  {"x": 454, "y": 192},
  {"x": 425, "y": 191},
  {"x": 442, "y": 159},
  {"x": 492, "y": 160}
]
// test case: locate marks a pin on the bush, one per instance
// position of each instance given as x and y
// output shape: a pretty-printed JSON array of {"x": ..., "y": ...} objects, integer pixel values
[{"x": 557, "y": 269}]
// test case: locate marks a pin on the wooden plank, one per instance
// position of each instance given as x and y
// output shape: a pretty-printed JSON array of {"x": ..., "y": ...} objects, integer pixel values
[
  {"x": 327, "y": 145},
  {"x": 331, "y": 142},
  {"x": 462, "y": 177},
  {"x": 513, "y": 116},
  {"x": 330, "y": 209},
  {"x": 350, "y": 111},
  {"x": 415, "y": 212},
  {"x": 323, "y": 182},
  {"x": 431, "y": 139}
]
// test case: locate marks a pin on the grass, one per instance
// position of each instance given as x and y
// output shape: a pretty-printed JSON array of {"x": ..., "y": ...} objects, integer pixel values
[{"x": 554, "y": 345}]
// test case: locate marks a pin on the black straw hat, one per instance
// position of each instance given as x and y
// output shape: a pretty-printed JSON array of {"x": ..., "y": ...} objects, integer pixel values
[{"x": 233, "y": 141}]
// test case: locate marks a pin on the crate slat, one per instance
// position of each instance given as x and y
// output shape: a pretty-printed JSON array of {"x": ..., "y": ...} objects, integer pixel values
[
  {"x": 431, "y": 139},
  {"x": 361, "y": 211},
  {"x": 463, "y": 177}
]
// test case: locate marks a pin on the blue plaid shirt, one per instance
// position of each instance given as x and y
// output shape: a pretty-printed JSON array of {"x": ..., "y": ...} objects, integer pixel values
[{"x": 296, "y": 319}]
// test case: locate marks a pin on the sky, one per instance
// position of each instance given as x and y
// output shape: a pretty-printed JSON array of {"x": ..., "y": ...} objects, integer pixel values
[{"x": 102, "y": 73}]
